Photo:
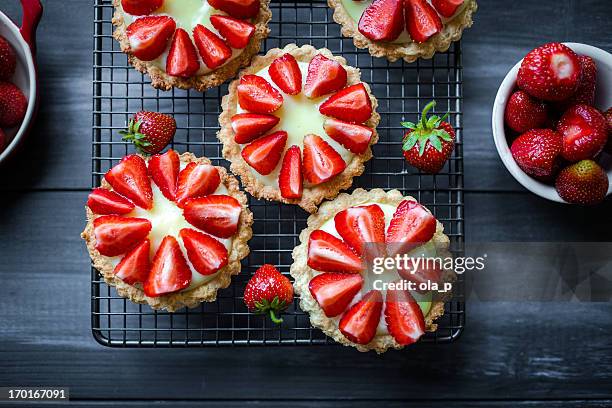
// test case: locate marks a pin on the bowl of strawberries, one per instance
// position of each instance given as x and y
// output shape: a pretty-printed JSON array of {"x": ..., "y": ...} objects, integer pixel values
[{"x": 552, "y": 123}]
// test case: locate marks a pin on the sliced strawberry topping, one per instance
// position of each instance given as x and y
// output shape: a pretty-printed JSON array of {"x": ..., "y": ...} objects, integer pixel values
[
  {"x": 135, "y": 266},
  {"x": 447, "y": 8},
  {"x": 422, "y": 21},
  {"x": 383, "y": 20},
  {"x": 352, "y": 104},
  {"x": 237, "y": 8},
  {"x": 412, "y": 225},
  {"x": 197, "y": 180},
  {"x": 213, "y": 50},
  {"x": 182, "y": 59},
  {"x": 356, "y": 138},
  {"x": 359, "y": 226},
  {"x": 422, "y": 272},
  {"x": 236, "y": 32},
  {"x": 249, "y": 126},
  {"x": 255, "y": 94},
  {"x": 359, "y": 323},
  {"x": 105, "y": 202},
  {"x": 130, "y": 179},
  {"x": 216, "y": 214},
  {"x": 327, "y": 253},
  {"x": 264, "y": 153},
  {"x": 290, "y": 179},
  {"x": 164, "y": 170},
  {"x": 324, "y": 77},
  {"x": 286, "y": 74},
  {"x": 141, "y": 7},
  {"x": 335, "y": 291},
  {"x": 404, "y": 317},
  {"x": 321, "y": 161},
  {"x": 205, "y": 253},
  {"x": 116, "y": 235},
  {"x": 149, "y": 36},
  {"x": 169, "y": 270}
]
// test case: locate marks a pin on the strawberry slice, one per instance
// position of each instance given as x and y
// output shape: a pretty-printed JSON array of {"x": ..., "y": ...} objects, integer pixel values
[
  {"x": 286, "y": 74},
  {"x": 249, "y": 126},
  {"x": 321, "y": 161},
  {"x": 197, "y": 180},
  {"x": 404, "y": 317},
  {"x": 290, "y": 179},
  {"x": 335, "y": 291},
  {"x": 356, "y": 138},
  {"x": 361, "y": 225},
  {"x": 255, "y": 94},
  {"x": 264, "y": 153},
  {"x": 383, "y": 20},
  {"x": 327, "y": 253},
  {"x": 237, "y": 33},
  {"x": 116, "y": 235},
  {"x": 412, "y": 225},
  {"x": 130, "y": 179},
  {"x": 182, "y": 59},
  {"x": 164, "y": 170},
  {"x": 216, "y": 214},
  {"x": 237, "y": 8},
  {"x": 169, "y": 270},
  {"x": 206, "y": 254},
  {"x": 149, "y": 36},
  {"x": 359, "y": 323},
  {"x": 135, "y": 266},
  {"x": 422, "y": 21},
  {"x": 213, "y": 50},
  {"x": 105, "y": 202},
  {"x": 141, "y": 7},
  {"x": 422, "y": 273},
  {"x": 352, "y": 104},
  {"x": 324, "y": 77},
  {"x": 447, "y": 8}
]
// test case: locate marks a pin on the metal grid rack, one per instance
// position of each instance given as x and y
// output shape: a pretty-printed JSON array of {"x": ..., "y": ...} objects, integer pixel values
[{"x": 402, "y": 90}]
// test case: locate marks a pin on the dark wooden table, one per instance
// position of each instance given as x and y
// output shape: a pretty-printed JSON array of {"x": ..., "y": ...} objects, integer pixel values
[{"x": 512, "y": 354}]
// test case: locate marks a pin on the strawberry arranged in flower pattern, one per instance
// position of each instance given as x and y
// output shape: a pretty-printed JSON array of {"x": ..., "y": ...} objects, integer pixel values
[
  {"x": 196, "y": 180},
  {"x": 422, "y": 21},
  {"x": 135, "y": 266},
  {"x": 249, "y": 126},
  {"x": 356, "y": 138},
  {"x": 584, "y": 131},
  {"x": 182, "y": 59},
  {"x": 268, "y": 292},
  {"x": 334, "y": 292},
  {"x": 264, "y": 153},
  {"x": 236, "y": 32},
  {"x": 324, "y": 76},
  {"x": 359, "y": 323},
  {"x": 105, "y": 202},
  {"x": 164, "y": 171},
  {"x": 447, "y": 8},
  {"x": 404, "y": 317},
  {"x": 285, "y": 73},
  {"x": 361, "y": 227},
  {"x": 256, "y": 95},
  {"x": 130, "y": 179},
  {"x": 412, "y": 225},
  {"x": 150, "y": 131},
  {"x": 169, "y": 271},
  {"x": 218, "y": 215},
  {"x": 352, "y": 104},
  {"x": 290, "y": 180},
  {"x": 149, "y": 36},
  {"x": 321, "y": 161},
  {"x": 327, "y": 253},
  {"x": 116, "y": 235},
  {"x": 242, "y": 9},
  {"x": 383, "y": 20},
  {"x": 207, "y": 254},
  {"x": 141, "y": 7}
]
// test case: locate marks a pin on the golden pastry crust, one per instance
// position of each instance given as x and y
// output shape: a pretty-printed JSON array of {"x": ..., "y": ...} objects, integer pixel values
[
  {"x": 192, "y": 298},
  {"x": 163, "y": 81},
  {"x": 312, "y": 195},
  {"x": 303, "y": 274},
  {"x": 452, "y": 31}
]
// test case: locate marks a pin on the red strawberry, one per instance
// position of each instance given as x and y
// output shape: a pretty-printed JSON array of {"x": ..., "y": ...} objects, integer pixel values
[
  {"x": 8, "y": 60},
  {"x": 422, "y": 21},
  {"x": 356, "y": 138},
  {"x": 321, "y": 161},
  {"x": 335, "y": 291},
  {"x": 207, "y": 255},
  {"x": 264, "y": 153},
  {"x": 130, "y": 179},
  {"x": 213, "y": 50},
  {"x": 105, "y": 202},
  {"x": 13, "y": 105},
  {"x": 324, "y": 77},
  {"x": 327, "y": 253},
  {"x": 383, "y": 20},
  {"x": 538, "y": 153},
  {"x": 164, "y": 170},
  {"x": 237, "y": 8},
  {"x": 550, "y": 72},
  {"x": 584, "y": 183},
  {"x": 150, "y": 131},
  {"x": 255, "y": 94},
  {"x": 197, "y": 180},
  {"x": 585, "y": 94},
  {"x": 524, "y": 112},
  {"x": 141, "y": 7},
  {"x": 286, "y": 74},
  {"x": 361, "y": 227},
  {"x": 236, "y": 32},
  {"x": 216, "y": 214},
  {"x": 584, "y": 131},
  {"x": 421, "y": 272},
  {"x": 116, "y": 235},
  {"x": 360, "y": 322},
  {"x": 290, "y": 179},
  {"x": 412, "y": 225},
  {"x": 3, "y": 141},
  {"x": 149, "y": 36},
  {"x": 169, "y": 271},
  {"x": 447, "y": 8},
  {"x": 608, "y": 116},
  {"x": 249, "y": 126},
  {"x": 352, "y": 104},
  {"x": 404, "y": 317},
  {"x": 182, "y": 59},
  {"x": 268, "y": 292},
  {"x": 135, "y": 266}
]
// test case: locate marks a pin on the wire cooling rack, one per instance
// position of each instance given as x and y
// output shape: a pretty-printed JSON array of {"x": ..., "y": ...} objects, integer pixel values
[{"x": 402, "y": 90}]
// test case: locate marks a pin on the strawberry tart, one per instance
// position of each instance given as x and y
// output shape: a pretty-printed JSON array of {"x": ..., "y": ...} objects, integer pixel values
[
  {"x": 190, "y": 43},
  {"x": 298, "y": 125},
  {"x": 408, "y": 29},
  {"x": 169, "y": 230},
  {"x": 337, "y": 288}
]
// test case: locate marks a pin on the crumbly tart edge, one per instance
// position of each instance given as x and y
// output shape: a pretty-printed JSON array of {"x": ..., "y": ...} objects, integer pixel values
[
  {"x": 204, "y": 293},
  {"x": 165, "y": 82},
  {"x": 302, "y": 273},
  {"x": 452, "y": 31},
  {"x": 313, "y": 195}
]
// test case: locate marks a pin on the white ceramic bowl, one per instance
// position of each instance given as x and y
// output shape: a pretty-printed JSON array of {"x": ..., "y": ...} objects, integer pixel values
[{"x": 603, "y": 101}]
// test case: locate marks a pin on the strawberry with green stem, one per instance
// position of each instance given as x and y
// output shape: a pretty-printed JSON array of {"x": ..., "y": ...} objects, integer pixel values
[
  {"x": 150, "y": 131},
  {"x": 268, "y": 292}
]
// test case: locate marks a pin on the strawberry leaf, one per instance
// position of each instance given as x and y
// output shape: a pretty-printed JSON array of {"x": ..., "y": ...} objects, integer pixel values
[
  {"x": 410, "y": 141},
  {"x": 409, "y": 125},
  {"x": 435, "y": 142}
]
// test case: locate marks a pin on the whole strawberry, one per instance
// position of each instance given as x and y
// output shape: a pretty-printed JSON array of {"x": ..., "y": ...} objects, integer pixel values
[
  {"x": 584, "y": 131},
  {"x": 268, "y": 292},
  {"x": 429, "y": 143},
  {"x": 538, "y": 153},
  {"x": 585, "y": 94},
  {"x": 583, "y": 183},
  {"x": 3, "y": 141},
  {"x": 13, "y": 105},
  {"x": 150, "y": 131},
  {"x": 524, "y": 112},
  {"x": 608, "y": 116},
  {"x": 8, "y": 60}
]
